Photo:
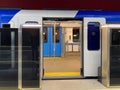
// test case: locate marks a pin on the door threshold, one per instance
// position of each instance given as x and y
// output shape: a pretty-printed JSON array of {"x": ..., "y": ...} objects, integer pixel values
[
  {"x": 62, "y": 77},
  {"x": 31, "y": 89}
]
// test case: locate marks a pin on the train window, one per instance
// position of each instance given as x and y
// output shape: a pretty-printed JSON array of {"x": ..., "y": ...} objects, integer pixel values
[
  {"x": 56, "y": 35},
  {"x": 45, "y": 34},
  {"x": 93, "y": 36},
  {"x": 76, "y": 34}
]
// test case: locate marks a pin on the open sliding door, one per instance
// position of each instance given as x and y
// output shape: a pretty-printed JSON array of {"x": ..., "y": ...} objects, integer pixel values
[{"x": 92, "y": 46}]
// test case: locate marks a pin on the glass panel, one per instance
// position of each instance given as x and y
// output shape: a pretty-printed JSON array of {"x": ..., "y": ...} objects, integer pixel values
[
  {"x": 115, "y": 37},
  {"x": 56, "y": 35},
  {"x": 115, "y": 58},
  {"x": 93, "y": 36},
  {"x": 9, "y": 59},
  {"x": 30, "y": 58},
  {"x": 76, "y": 34},
  {"x": 45, "y": 35}
]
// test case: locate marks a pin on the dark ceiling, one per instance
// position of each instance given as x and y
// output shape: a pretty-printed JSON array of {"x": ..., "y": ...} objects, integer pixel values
[{"x": 62, "y": 4}]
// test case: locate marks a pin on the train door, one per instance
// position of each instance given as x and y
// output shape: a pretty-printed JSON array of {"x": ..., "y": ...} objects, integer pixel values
[
  {"x": 52, "y": 41},
  {"x": 64, "y": 46},
  {"x": 8, "y": 59},
  {"x": 92, "y": 46},
  {"x": 29, "y": 56}
]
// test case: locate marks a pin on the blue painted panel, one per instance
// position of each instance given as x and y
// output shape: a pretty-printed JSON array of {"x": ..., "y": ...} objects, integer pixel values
[
  {"x": 7, "y": 14},
  {"x": 110, "y": 16},
  {"x": 57, "y": 50},
  {"x": 47, "y": 45},
  {"x": 46, "y": 50},
  {"x": 93, "y": 36}
]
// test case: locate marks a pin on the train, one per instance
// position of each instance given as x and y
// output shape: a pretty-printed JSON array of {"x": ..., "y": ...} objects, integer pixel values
[{"x": 52, "y": 33}]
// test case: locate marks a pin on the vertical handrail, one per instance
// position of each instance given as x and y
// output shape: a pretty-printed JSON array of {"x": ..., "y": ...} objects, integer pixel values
[
  {"x": 54, "y": 30},
  {"x": 20, "y": 58},
  {"x": 41, "y": 56},
  {"x": 12, "y": 49}
]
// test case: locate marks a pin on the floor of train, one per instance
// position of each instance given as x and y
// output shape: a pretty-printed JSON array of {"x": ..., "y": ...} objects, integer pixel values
[{"x": 69, "y": 65}]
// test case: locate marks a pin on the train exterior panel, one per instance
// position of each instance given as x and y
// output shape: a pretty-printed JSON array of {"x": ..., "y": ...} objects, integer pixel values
[{"x": 91, "y": 55}]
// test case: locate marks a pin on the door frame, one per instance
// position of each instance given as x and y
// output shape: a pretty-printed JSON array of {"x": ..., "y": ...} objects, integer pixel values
[
  {"x": 63, "y": 47},
  {"x": 28, "y": 25}
]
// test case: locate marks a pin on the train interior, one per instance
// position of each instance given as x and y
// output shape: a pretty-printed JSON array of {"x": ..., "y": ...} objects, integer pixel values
[{"x": 62, "y": 47}]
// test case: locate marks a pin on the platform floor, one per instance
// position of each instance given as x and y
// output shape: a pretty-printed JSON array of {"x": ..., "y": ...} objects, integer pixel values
[{"x": 78, "y": 84}]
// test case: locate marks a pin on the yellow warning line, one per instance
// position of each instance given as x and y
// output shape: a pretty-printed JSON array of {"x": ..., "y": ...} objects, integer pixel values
[{"x": 61, "y": 73}]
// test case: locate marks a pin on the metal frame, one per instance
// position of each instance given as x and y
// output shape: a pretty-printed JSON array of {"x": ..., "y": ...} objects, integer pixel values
[
  {"x": 81, "y": 49},
  {"x": 19, "y": 59},
  {"x": 108, "y": 54},
  {"x": 12, "y": 49},
  {"x": 106, "y": 30},
  {"x": 28, "y": 25},
  {"x": 105, "y": 56}
]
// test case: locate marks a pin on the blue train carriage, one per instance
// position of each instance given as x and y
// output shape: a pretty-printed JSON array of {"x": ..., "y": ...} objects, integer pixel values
[{"x": 51, "y": 24}]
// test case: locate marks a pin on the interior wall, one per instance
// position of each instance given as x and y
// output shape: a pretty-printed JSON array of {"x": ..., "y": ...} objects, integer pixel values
[{"x": 68, "y": 32}]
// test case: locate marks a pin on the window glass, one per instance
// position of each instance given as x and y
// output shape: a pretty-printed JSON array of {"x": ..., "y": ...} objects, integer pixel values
[
  {"x": 45, "y": 34},
  {"x": 30, "y": 57},
  {"x": 56, "y": 35},
  {"x": 93, "y": 36},
  {"x": 115, "y": 36},
  {"x": 76, "y": 34}
]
